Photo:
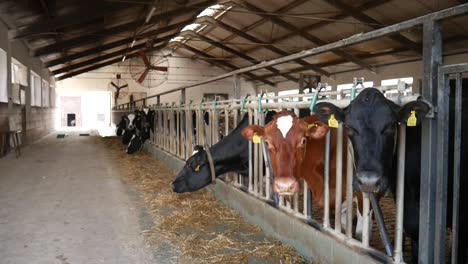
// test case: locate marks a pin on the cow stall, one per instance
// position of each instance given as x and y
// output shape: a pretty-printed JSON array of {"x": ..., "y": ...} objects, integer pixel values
[{"x": 181, "y": 126}]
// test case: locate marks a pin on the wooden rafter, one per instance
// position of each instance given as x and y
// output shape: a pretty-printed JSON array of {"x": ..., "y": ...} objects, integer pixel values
[
  {"x": 306, "y": 35},
  {"x": 222, "y": 64},
  {"x": 238, "y": 54}
]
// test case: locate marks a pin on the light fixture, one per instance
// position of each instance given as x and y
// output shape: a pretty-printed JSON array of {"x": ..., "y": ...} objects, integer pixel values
[
  {"x": 133, "y": 44},
  {"x": 150, "y": 14},
  {"x": 123, "y": 59}
]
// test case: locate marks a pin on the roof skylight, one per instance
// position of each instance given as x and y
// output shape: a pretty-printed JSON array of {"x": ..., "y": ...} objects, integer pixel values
[{"x": 214, "y": 11}]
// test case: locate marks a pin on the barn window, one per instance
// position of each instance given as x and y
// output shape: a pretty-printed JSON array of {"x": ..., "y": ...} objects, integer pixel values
[
  {"x": 19, "y": 72},
  {"x": 407, "y": 80},
  {"x": 348, "y": 86},
  {"x": 266, "y": 94},
  {"x": 45, "y": 93},
  {"x": 289, "y": 92},
  {"x": 3, "y": 77},
  {"x": 36, "y": 95}
]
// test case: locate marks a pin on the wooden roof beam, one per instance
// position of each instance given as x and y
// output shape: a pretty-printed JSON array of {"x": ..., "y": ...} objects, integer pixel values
[
  {"x": 256, "y": 40},
  {"x": 237, "y": 53},
  {"x": 111, "y": 45},
  {"x": 222, "y": 64},
  {"x": 92, "y": 37},
  {"x": 62, "y": 21},
  {"x": 262, "y": 21},
  {"x": 306, "y": 35},
  {"x": 373, "y": 23},
  {"x": 363, "y": 7},
  {"x": 119, "y": 53}
]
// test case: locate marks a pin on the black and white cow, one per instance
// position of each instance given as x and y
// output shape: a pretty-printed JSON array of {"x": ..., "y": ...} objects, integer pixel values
[
  {"x": 144, "y": 125},
  {"x": 129, "y": 130},
  {"x": 122, "y": 125},
  {"x": 371, "y": 121}
]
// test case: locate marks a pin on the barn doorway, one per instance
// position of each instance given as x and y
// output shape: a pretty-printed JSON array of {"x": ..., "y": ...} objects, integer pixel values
[{"x": 71, "y": 120}]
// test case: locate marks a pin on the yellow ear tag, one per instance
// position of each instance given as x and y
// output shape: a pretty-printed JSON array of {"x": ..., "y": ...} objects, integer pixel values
[
  {"x": 256, "y": 139},
  {"x": 412, "y": 119},
  {"x": 309, "y": 126},
  {"x": 332, "y": 122},
  {"x": 197, "y": 168}
]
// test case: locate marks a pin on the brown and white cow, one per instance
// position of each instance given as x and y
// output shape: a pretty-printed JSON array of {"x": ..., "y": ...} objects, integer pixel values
[
  {"x": 297, "y": 147},
  {"x": 297, "y": 151}
]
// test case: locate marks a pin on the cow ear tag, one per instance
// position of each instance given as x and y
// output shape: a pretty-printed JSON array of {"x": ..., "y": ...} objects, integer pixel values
[
  {"x": 332, "y": 122},
  {"x": 412, "y": 119},
  {"x": 309, "y": 126},
  {"x": 197, "y": 168},
  {"x": 256, "y": 139}
]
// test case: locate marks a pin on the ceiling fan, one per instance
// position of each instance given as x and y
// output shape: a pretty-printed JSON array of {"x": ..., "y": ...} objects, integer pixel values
[
  {"x": 149, "y": 70},
  {"x": 117, "y": 84}
]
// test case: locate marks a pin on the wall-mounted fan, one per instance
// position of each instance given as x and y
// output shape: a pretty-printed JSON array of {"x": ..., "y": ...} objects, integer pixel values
[
  {"x": 116, "y": 85},
  {"x": 149, "y": 70}
]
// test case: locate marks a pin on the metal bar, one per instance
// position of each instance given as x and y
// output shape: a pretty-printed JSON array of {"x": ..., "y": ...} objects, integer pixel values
[
  {"x": 432, "y": 58},
  {"x": 256, "y": 159},
  {"x": 349, "y": 193},
  {"x": 339, "y": 177},
  {"x": 326, "y": 183},
  {"x": 400, "y": 194},
  {"x": 250, "y": 184},
  {"x": 261, "y": 122},
  {"x": 381, "y": 224},
  {"x": 442, "y": 168},
  {"x": 366, "y": 220},
  {"x": 456, "y": 167}
]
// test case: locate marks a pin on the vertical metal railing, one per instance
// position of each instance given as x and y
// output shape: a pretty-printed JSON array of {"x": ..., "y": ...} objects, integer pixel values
[{"x": 176, "y": 132}]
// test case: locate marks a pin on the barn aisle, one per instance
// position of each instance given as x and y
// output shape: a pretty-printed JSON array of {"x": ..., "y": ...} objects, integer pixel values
[{"x": 63, "y": 202}]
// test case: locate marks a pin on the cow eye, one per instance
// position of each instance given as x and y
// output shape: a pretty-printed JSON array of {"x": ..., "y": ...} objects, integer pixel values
[{"x": 303, "y": 141}]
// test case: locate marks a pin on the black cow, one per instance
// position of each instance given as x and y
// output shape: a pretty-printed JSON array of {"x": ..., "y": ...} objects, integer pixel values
[
  {"x": 229, "y": 155},
  {"x": 371, "y": 121},
  {"x": 144, "y": 124}
]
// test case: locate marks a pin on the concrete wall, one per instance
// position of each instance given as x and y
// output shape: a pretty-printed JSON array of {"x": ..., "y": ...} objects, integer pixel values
[
  {"x": 35, "y": 122},
  {"x": 182, "y": 71}
]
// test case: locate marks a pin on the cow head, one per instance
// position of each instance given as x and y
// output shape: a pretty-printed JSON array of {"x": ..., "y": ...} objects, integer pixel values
[
  {"x": 371, "y": 121},
  {"x": 195, "y": 174},
  {"x": 131, "y": 121},
  {"x": 287, "y": 137}
]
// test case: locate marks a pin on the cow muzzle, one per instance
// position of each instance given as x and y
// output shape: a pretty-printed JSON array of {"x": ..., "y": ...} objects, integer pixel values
[
  {"x": 368, "y": 181},
  {"x": 285, "y": 186}
]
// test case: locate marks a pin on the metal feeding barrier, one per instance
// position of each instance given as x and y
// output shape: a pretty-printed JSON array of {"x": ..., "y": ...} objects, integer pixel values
[{"x": 178, "y": 128}]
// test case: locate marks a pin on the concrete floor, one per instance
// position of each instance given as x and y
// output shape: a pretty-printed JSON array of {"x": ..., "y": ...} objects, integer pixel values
[{"x": 62, "y": 202}]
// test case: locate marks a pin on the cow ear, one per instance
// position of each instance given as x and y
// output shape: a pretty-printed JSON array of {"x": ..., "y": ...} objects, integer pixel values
[
  {"x": 315, "y": 128},
  {"x": 413, "y": 112},
  {"x": 252, "y": 130},
  {"x": 325, "y": 110}
]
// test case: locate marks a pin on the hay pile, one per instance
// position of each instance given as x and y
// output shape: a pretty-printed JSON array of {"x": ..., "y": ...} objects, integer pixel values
[{"x": 202, "y": 229}]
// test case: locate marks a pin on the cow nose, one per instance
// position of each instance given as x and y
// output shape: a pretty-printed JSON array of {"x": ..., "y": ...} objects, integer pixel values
[
  {"x": 368, "y": 181},
  {"x": 285, "y": 186}
]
